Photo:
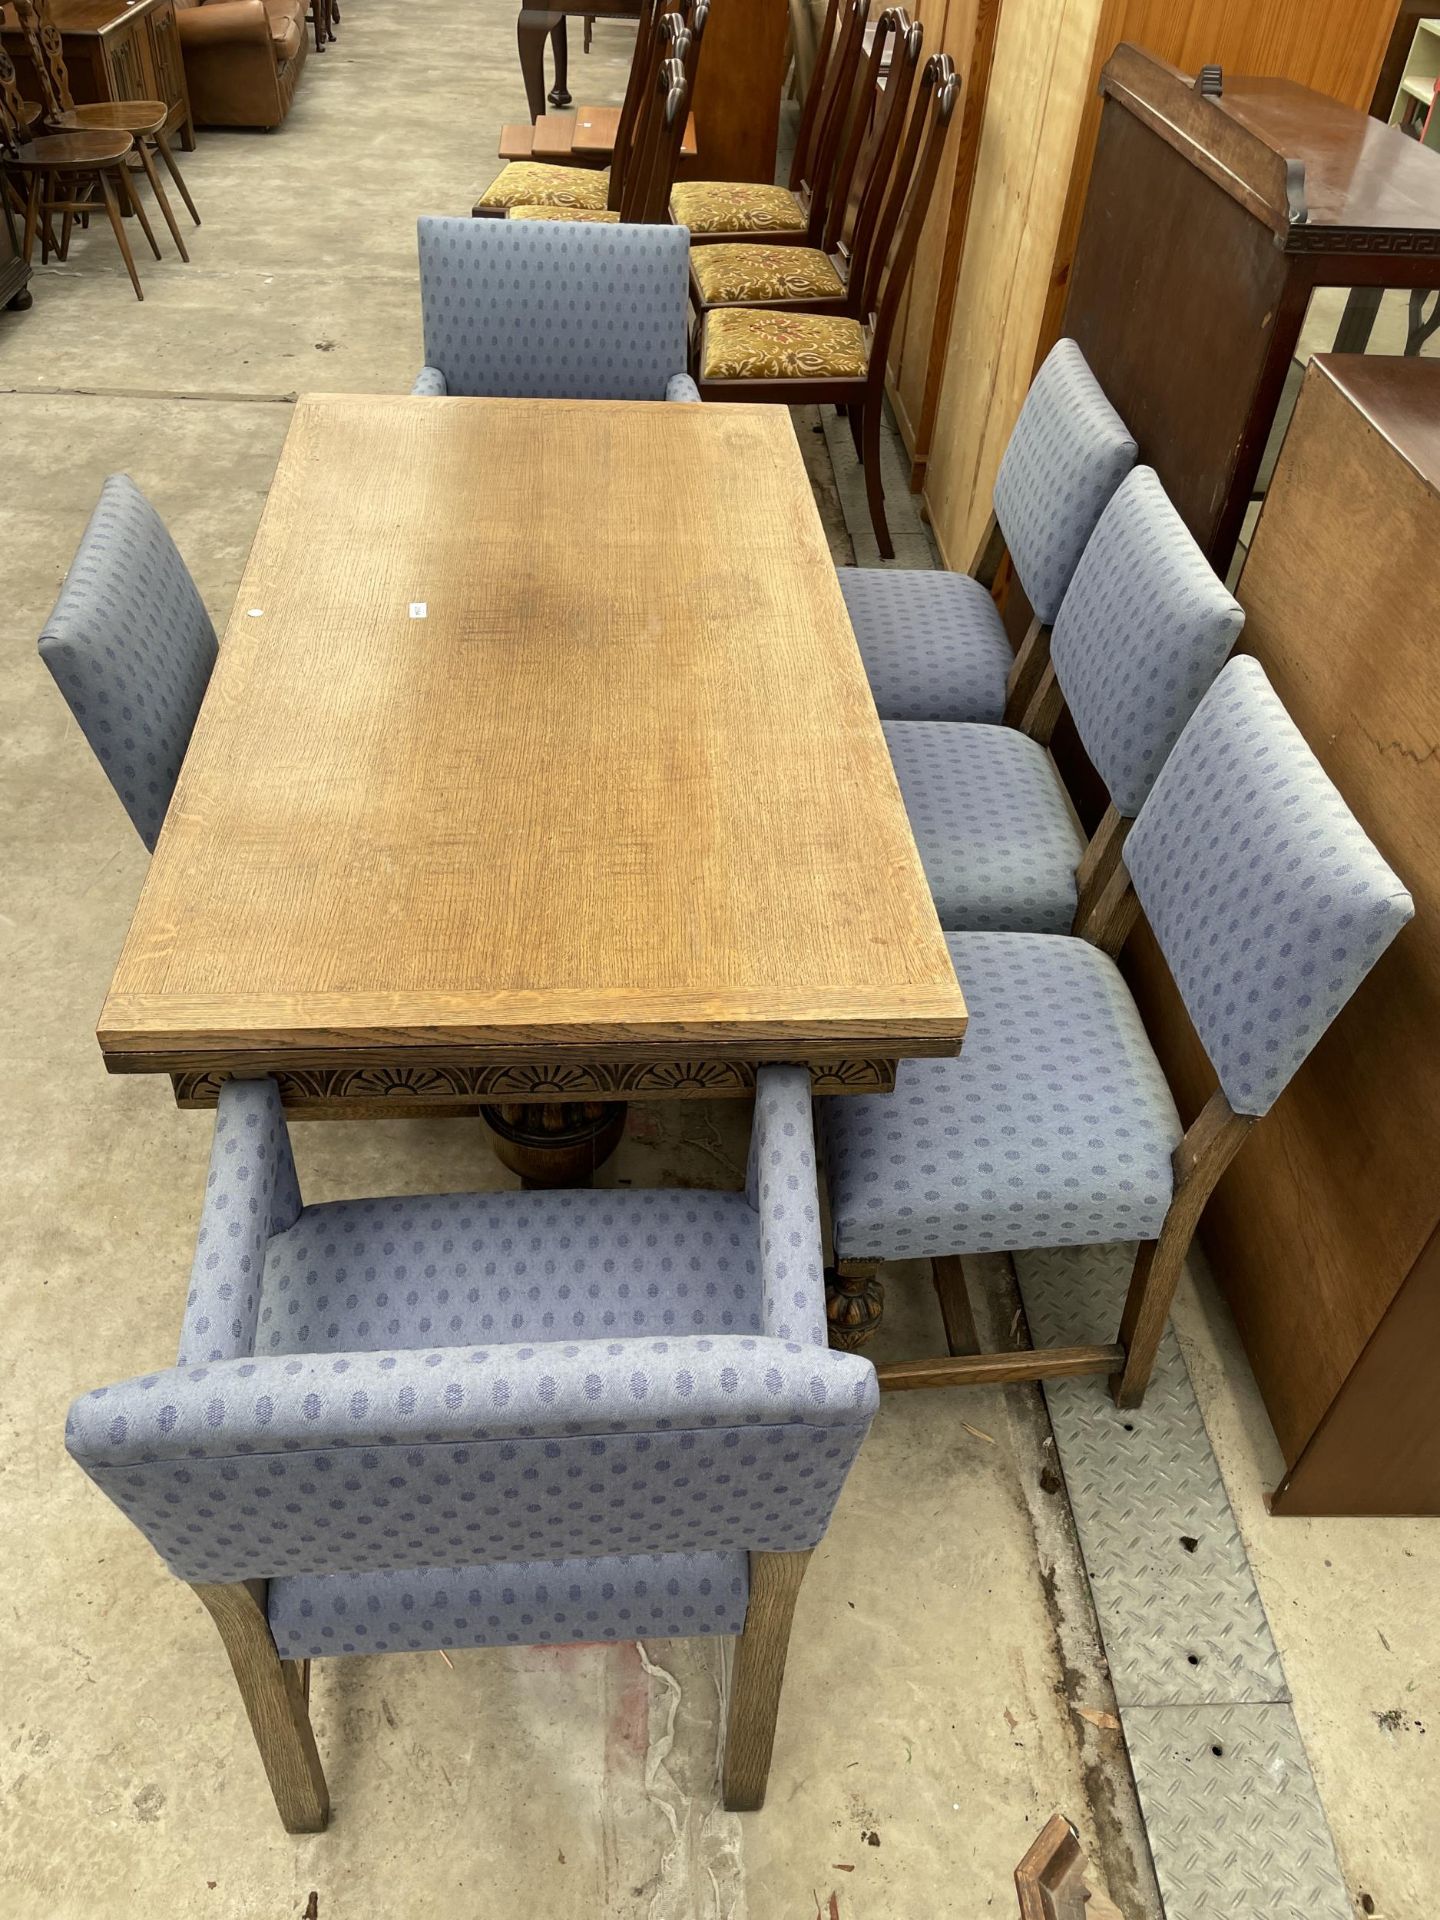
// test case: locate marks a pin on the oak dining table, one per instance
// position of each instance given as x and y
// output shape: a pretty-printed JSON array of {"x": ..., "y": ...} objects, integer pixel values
[{"x": 538, "y": 771}]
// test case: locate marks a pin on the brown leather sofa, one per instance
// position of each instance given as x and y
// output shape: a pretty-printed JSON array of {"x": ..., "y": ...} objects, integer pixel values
[{"x": 242, "y": 59}]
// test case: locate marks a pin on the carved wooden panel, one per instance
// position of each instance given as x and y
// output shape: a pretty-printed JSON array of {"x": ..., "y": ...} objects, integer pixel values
[
  {"x": 126, "y": 64},
  {"x": 165, "y": 55},
  {"x": 426, "y": 1087}
]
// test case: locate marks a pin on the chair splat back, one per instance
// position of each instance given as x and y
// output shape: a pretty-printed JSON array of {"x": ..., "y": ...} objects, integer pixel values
[
  {"x": 12, "y": 106},
  {"x": 642, "y": 69},
  {"x": 830, "y": 33},
  {"x": 1267, "y": 899},
  {"x": 47, "y": 54},
  {"x": 835, "y": 112},
  {"x": 898, "y": 232},
  {"x": 879, "y": 163}
]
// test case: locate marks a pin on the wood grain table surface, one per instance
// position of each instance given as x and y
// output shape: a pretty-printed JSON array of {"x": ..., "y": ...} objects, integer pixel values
[{"x": 538, "y": 763}]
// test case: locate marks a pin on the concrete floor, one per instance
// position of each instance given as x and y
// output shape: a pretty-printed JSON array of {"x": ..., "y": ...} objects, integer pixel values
[{"x": 946, "y": 1692}]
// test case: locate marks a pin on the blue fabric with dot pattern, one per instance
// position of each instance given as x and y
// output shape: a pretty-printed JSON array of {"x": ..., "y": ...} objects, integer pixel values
[
  {"x": 1267, "y": 899},
  {"x": 550, "y": 309},
  {"x": 1144, "y": 628},
  {"x": 528, "y": 1603},
  {"x": 933, "y": 643},
  {"x": 1053, "y": 1127},
  {"x": 1068, "y": 453},
  {"x": 995, "y": 832},
  {"x": 308, "y": 1460},
  {"x": 131, "y": 647}
]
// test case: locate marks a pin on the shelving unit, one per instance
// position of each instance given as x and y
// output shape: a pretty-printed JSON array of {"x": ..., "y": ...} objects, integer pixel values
[{"x": 1415, "y": 97}]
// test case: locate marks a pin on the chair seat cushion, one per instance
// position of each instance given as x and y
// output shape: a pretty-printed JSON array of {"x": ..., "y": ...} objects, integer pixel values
[
  {"x": 996, "y": 836},
  {"x": 729, "y": 272},
  {"x": 734, "y": 206},
  {"x": 532, "y": 183},
  {"x": 519, "y": 1603},
  {"x": 360, "y": 1276},
  {"x": 933, "y": 643},
  {"x": 595, "y": 216},
  {"x": 766, "y": 343},
  {"x": 1052, "y": 1127}
]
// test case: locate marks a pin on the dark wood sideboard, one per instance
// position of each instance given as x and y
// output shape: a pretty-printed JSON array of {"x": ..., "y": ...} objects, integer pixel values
[
  {"x": 113, "y": 51},
  {"x": 14, "y": 274},
  {"x": 1326, "y": 1231}
]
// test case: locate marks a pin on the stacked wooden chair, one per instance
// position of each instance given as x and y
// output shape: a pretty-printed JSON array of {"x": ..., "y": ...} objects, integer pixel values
[
  {"x": 142, "y": 120},
  {"x": 67, "y": 175},
  {"x": 790, "y": 356},
  {"x": 656, "y": 137},
  {"x": 531, "y": 183}
]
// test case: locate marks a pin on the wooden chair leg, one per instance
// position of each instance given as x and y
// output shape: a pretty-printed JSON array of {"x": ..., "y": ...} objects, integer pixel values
[
  {"x": 870, "y": 458},
  {"x": 758, "y": 1676},
  {"x": 854, "y": 1303},
  {"x": 275, "y": 1693},
  {"x": 175, "y": 174},
  {"x": 113, "y": 209},
  {"x": 161, "y": 199},
  {"x": 948, "y": 1273},
  {"x": 32, "y": 216},
  {"x": 128, "y": 181}
]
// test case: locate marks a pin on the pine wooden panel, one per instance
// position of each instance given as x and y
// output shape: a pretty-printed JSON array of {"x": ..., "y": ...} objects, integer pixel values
[
  {"x": 1037, "y": 93},
  {"x": 621, "y": 788}
]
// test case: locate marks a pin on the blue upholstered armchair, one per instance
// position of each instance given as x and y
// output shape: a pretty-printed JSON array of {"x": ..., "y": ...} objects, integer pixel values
[
  {"x": 483, "y": 1419},
  {"x": 546, "y": 310}
]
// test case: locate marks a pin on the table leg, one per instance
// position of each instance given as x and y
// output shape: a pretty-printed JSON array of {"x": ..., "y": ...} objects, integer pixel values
[
  {"x": 1358, "y": 320},
  {"x": 530, "y": 30},
  {"x": 854, "y": 1303},
  {"x": 555, "y": 1143},
  {"x": 560, "y": 46}
]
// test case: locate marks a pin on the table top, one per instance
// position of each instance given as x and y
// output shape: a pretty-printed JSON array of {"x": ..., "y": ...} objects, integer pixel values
[{"x": 539, "y": 728}]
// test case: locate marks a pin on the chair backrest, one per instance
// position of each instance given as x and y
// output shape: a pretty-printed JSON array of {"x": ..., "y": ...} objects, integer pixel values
[
  {"x": 835, "y": 111},
  {"x": 12, "y": 115},
  {"x": 130, "y": 646},
  {"x": 869, "y": 157},
  {"x": 1267, "y": 899},
  {"x": 637, "y": 88},
  {"x": 554, "y": 308},
  {"x": 1068, "y": 453},
  {"x": 1143, "y": 629},
  {"x": 816, "y": 94},
  {"x": 907, "y": 200},
  {"x": 47, "y": 54},
  {"x": 652, "y": 174}
]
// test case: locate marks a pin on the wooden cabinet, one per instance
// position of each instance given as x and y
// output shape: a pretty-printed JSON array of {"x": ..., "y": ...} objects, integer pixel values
[
  {"x": 113, "y": 52},
  {"x": 14, "y": 274},
  {"x": 1325, "y": 1233},
  {"x": 1040, "y": 116}
]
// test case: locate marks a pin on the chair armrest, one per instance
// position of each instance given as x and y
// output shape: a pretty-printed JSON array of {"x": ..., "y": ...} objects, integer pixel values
[
  {"x": 782, "y": 1186},
  {"x": 681, "y": 387},
  {"x": 430, "y": 380},
  {"x": 223, "y": 23},
  {"x": 335, "y": 1463},
  {"x": 251, "y": 1192}
]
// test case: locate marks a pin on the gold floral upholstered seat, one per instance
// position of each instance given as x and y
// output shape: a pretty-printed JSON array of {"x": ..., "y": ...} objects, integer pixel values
[
  {"x": 597, "y": 216},
  {"x": 735, "y": 206},
  {"x": 531, "y": 183},
  {"x": 726, "y": 272},
  {"x": 765, "y": 343}
]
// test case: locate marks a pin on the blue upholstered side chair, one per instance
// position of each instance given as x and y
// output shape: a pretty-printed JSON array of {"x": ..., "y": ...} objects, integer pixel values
[
  {"x": 541, "y": 310},
  {"x": 131, "y": 647},
  {"x": 1143, "y": 629},
  {"x": 933, "y": 642},
  {"x": 490, "y": 1419},
  {"x": 1055, "y": 1126}
]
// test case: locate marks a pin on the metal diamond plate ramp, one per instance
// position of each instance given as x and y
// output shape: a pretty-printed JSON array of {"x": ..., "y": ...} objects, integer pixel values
[
  {"x": 1177, "y": 1604},
  {"x": 1235, "y": 1824}
]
